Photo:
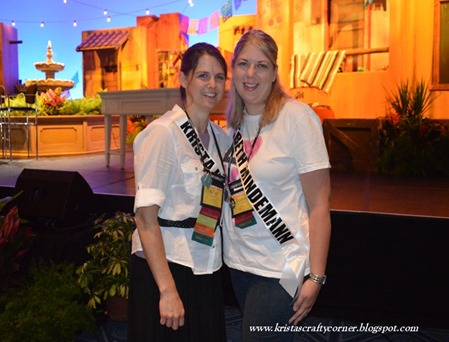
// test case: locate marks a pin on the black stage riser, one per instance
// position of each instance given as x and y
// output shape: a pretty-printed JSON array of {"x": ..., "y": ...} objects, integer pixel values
[{"x": 63, "y": 197}]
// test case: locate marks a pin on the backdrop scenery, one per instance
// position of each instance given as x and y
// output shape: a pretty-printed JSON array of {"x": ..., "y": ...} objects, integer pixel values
[{"x": 62, "y": 21}]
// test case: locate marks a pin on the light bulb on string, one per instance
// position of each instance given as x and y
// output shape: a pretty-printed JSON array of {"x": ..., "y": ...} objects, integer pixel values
[{"x": 109, "y": 19}]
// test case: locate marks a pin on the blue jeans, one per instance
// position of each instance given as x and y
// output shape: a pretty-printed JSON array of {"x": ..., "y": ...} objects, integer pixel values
[{"x": 266, "y": 307}]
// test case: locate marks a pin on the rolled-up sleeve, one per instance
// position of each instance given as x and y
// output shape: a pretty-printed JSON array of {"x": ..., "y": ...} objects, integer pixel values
[
  {"x": 148, "y": 197},
  {"x": 154, "y": 165}
]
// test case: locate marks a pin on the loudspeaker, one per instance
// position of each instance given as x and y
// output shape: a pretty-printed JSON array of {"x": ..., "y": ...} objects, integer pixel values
[{"x": 60, "y": 197}]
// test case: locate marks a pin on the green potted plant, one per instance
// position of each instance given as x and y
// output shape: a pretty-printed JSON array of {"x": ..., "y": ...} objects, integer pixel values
[
  {"x": 47, "y": 307},
  {"x": 104, "y": 277},
  {"x": 411, "y": 143}
]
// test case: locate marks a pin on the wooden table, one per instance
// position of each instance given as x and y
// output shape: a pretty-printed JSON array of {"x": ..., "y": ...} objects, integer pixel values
[{"x": 146, "y": 102}]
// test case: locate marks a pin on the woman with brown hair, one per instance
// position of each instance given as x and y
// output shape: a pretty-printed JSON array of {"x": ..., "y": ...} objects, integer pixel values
[{"x": 175, "y": 288}]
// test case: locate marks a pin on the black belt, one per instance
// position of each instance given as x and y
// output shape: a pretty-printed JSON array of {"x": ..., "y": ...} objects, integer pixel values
[{"x": 187, "y": 223}]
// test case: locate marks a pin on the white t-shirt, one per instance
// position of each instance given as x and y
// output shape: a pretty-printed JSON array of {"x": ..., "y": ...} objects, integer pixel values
[
  {"x": 168, "y": 174},
  {"x": 292, "y": 145}
]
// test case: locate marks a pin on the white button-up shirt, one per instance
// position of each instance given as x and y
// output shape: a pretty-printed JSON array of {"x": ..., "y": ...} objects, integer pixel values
[{"x": 168, "y": 174}]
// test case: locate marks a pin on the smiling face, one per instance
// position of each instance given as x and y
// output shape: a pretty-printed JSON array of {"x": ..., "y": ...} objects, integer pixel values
[
  {"x": 204, "y": 85},
  {"x": 253, "y": 76}
]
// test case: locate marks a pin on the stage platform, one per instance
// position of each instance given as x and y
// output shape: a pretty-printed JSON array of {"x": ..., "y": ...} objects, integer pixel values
[{"x": 351, "y": 191}]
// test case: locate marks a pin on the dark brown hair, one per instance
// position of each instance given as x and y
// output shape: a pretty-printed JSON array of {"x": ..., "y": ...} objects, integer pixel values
[{"x": 192, "y": 56}]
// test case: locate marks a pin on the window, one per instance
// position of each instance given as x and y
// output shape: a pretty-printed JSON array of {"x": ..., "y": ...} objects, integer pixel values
[
  {"x": 362, "y": 28},
  {"x": 440, "y": 74}
]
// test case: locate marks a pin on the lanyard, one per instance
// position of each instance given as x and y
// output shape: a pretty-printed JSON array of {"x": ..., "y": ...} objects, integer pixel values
[
  {"x": 209, "y": 217},
  {"x": 206, "y": 168},
  {"x": 254, "y": 142}
]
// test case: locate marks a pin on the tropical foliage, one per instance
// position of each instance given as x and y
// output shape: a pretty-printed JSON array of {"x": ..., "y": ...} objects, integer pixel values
[
  {"x": 411, "y": 143},
  {"x": 16, "y": 239},
  {"x": 55, "y": 102},
  {"x": 135, "y": 125}
]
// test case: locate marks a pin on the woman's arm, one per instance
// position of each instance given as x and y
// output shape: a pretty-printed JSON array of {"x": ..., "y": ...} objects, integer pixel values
[
  {"x": 317, "y": 188},
  {"x": 170, "y": 305}
]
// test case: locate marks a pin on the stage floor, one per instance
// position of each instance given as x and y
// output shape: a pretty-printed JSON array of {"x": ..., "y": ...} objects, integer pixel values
[{"x": 351, "y": 191}]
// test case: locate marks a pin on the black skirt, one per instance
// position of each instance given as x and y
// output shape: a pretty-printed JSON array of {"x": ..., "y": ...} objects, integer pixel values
[{"x": 201, "y": 295}]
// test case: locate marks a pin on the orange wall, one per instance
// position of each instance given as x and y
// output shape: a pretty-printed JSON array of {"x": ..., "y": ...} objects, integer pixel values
[
  {"x": 161, "y": 33},
  {"x": 362, "y": 94},
  {"x": 133, "y": 66},
  {"x": 230, "y": 32}
]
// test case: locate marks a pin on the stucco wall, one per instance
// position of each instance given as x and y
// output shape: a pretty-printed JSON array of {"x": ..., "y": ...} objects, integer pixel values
[{"x": 362, "y": 94}]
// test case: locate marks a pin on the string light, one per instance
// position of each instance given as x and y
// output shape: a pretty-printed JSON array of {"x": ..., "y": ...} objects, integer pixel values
[{"x": 109, "y": 18}]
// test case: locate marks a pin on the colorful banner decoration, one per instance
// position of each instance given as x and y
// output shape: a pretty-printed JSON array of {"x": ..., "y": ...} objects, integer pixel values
[
  {"x": 206, "y": 24},
  {"x": 202, "y": 26},
  {"x": 183, "y": 23},
  {"x": 237, "y": 4},
  {"x": 226, "y": 11},
  {"x": 214, "y": 20},
  {"x": 193, "y": 26}
]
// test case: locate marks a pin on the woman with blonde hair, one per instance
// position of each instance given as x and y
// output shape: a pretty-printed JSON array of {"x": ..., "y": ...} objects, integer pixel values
[{"x": 278, "y": 229}]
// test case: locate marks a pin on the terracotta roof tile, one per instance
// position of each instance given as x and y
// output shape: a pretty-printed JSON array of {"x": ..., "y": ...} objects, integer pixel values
[{"x": 100, "y": 40}]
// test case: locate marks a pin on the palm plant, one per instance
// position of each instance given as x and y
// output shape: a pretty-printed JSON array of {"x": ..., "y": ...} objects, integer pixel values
[{"x": 411, "y": 143}]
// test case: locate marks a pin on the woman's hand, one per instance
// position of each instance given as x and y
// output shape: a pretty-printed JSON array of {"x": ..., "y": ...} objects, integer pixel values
[
  {"x": 305, "y": 301},
  {"x": 171, "y": 310},
  {"x": 316, "y": 186}
]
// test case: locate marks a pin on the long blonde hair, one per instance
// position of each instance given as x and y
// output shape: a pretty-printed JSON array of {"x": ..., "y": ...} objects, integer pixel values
[{"x": 277, "y": 96}]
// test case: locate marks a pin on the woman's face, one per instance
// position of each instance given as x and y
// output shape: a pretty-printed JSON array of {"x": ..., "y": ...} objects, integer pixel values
[
  {"x": 253, "y": 76},
  {"x": 204, "y": 86}
]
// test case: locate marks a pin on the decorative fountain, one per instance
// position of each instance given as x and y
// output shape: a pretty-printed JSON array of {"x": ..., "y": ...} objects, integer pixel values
[
  {"x": 50, "y": 68},
  {"x": 62, "y": 135}
]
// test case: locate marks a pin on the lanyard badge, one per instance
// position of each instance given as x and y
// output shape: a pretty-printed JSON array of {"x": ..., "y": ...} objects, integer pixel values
[
  {"x": 210, "y": 213},
  {"x": 212, "y": 185},
  {"x": 242, "y": 211}
]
